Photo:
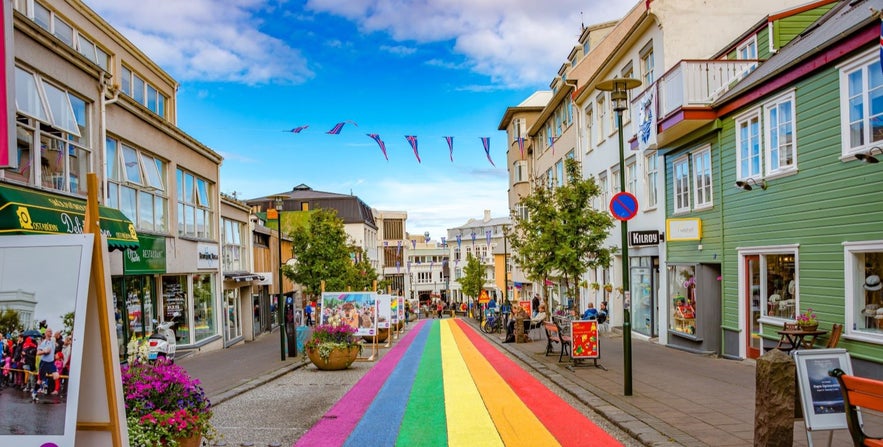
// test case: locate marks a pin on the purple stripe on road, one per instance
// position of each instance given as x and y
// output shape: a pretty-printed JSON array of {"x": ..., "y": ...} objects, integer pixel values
[{"x": 337, "y": 424}]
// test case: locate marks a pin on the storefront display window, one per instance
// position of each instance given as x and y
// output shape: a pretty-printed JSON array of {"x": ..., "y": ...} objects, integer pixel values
[
  {"x": 682, "y": 298},
  {"x": 778, "y": 279},
  {"x": 203, "y": 307},
  {"x": 134, "y": 309},
  {"x": 175, "y": 306},
  {"x": 231, "y": 323},
  {"x": 864, "y": 273}
]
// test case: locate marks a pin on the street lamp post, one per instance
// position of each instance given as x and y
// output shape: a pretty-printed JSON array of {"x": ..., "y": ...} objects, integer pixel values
[
  {"x": 619, "y": 96},
  {"x": 280, "y": 303}
]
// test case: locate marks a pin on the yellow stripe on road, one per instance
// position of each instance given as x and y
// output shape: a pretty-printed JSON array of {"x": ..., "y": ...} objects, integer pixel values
[
  {"x": 517, "y": 424},
  {"x": 469, "y": 423}
]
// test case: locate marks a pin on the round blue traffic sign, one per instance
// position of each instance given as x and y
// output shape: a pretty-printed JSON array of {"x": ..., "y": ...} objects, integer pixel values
[{"x": 624, "y": 206}]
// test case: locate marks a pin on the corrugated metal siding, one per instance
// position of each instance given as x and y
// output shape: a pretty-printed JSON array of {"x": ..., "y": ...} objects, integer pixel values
[{"x": 825, "y": 204}]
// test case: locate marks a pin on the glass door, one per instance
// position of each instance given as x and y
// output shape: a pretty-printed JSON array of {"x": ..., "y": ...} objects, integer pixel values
[
  {"x": 643, "y": 304},
  {"x": 752, "y": 306}
]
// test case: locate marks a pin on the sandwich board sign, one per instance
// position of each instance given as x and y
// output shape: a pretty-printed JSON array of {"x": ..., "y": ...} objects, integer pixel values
[{"x": 820, "y": 395}]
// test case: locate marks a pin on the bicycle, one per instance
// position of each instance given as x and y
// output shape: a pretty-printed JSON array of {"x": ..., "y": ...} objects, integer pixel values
[{"x": 493, "y": 323}]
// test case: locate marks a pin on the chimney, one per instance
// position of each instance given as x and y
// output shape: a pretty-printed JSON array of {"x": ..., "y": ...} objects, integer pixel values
[{"x": 487, "y": 215}]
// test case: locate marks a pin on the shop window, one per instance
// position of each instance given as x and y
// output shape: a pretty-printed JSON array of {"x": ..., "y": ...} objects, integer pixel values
[
  {"x": 682, "y": 294},
  {"x": 231, "y": 323},
  {"x": 203, "y": 307},
  {"x": 134, "y": 309},
  {"x": 776, "y": 282},
  {"x": 864, "y": 290},
  {"x": 175, "y": 305}
]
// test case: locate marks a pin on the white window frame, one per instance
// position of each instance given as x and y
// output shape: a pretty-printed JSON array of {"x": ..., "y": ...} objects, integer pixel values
[
  {"x": 853, "y": 278},
  {"x": 862, "y": 65},
  {"x": 762, "y": 253},
  {"x": 559, "y": 173},
  {"x": 604, "y": 186},
  {"x": 135, "y": 181},
  {"x": 631, "y": 175},
  {"x": 590, "y": 127},
  {"x": 519, "y": 171},
  {"x": 743, "y": 120},
  {"x": 703, "y": 197},
  {"x": 647, "y": 64},
  {"x": 651, "y": 180},
  {"x": 681, "y": 198},
  {"x": 743, "y": 50},
  {"x": 773, "y": 130},
  {"x": 601, "y": 108},
  {"x": 197, "y": 203}
]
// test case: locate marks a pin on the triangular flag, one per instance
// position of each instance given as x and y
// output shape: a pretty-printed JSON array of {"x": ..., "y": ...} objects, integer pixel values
[
  {"x": 552, "y": 144},
  {"x": 486, "y": 142},
  {"x": 297, "y": 129},
  {"x": 380, "y": 143},
  {"x": 521, "y": 146},
  {"x": 412, "y": 140},
  {"x": 337, "y": 127},
  {"x": 450, "y": 141}
]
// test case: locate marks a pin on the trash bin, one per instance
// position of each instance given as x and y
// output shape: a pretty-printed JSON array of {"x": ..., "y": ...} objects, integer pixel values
[
  {"x": 303, "y": 332},
  {"x": 291, "y": 339}
]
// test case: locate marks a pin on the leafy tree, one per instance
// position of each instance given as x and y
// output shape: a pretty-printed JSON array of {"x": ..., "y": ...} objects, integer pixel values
[
  {"x": 9, "y": 321},
  {"x": 68, "y": 321},
  {"x": 362, "y": 274},
  {"x": 322, "y": 250},
  {"x": 474, "y": 277},
  {"x": 563, "y": 234}
]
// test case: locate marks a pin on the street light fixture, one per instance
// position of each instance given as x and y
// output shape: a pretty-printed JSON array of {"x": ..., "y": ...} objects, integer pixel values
[
  {"x": 280, "y": 303},
  {"x": 619, "y": 96}
]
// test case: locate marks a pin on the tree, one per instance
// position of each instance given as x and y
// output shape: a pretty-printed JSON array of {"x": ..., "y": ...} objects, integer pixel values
[
  {"x": 562, "y": 232},
  {"x": 474, "y": 277},
  {"x": 9, "y": 321},
  {"x": 362, "y": 274},
  {"x": 322, "y": 251},
  {"x": 67, "y": 320}
]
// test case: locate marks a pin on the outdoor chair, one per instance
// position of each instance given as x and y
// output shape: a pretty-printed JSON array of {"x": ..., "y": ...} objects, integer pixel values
[{"x": 859, "y": 392}]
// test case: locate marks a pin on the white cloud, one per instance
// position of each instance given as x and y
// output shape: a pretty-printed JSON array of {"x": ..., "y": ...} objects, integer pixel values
[
  {"x": 207, "y": 40},
  {"x": 516, "y": 42},
  {"x": 399, "y": 50}
]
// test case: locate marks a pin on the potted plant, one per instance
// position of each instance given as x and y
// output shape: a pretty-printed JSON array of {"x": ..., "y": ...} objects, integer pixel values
[
  {"x": 333, "y": 347},
  {"x": 807, "y": 320},
  {"x": 608, "y": 287},
  {"x": 595, "y": 286},
  {"x": 165, "y": 406}
]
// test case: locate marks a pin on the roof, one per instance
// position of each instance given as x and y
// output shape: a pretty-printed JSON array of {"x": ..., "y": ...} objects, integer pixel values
[
  {"x": 841, "y": 21},
  {"x": 349, "y": 208},
  {"x": 534, "y": 103}
]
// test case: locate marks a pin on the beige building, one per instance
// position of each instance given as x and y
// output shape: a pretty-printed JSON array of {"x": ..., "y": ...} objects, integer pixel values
[
  {"x": 88, "y": 101},
  {"x": 393, "y": 246}
]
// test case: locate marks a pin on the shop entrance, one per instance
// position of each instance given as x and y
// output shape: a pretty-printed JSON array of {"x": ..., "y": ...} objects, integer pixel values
[{"x": 753, "y": 340}]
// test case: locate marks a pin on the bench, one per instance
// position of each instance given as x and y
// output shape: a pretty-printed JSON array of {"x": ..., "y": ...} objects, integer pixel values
[
  {"x": 859, "y": 392},
  {"x": 553, "y": 335}
]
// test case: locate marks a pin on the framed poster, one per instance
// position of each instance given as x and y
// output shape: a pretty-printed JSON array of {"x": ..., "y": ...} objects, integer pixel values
[
  {"x": 384, "y": 311},
  {"x": 44, "y": 279},
  {"x": 357, "y": 309},
  {"x": 584, "y": 339},
  {"x": 823, "y": 407}
]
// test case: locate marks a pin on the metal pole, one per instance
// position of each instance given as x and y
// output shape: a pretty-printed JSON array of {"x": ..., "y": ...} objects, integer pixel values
[
  {"x": 280, "y": 302},
  {"x": 626, "y": 295}
]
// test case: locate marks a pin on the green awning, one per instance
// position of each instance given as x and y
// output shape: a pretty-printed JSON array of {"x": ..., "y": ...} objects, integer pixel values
[{"x": 30, "y": 211}]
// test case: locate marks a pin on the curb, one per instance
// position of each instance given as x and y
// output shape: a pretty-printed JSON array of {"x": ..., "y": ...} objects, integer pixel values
[{"x": 256, "y": 382}]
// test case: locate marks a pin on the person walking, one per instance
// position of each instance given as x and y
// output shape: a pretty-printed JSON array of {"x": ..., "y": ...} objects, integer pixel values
[
  {"x": 308, "y": 314},
  {"x": 535, "y": 305},
  {"x": 46, "y": 369}
]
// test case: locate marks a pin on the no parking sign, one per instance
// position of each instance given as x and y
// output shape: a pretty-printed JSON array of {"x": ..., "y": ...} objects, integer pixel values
[{"x": 624, "y": 206}]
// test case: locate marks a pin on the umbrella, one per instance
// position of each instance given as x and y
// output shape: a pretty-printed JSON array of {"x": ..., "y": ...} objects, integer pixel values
[{"x": 32, "y": 333}]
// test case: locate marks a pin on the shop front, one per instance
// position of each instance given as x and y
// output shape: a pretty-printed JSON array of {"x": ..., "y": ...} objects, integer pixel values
[
  {"x": 238, "y": 291},
  {"x": 694, "y": 307},
  {"x": 134, "y": 292}
]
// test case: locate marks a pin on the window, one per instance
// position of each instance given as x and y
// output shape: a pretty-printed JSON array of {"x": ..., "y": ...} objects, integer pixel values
[
  {"x": 52, "y": 141},
  {"x": 748, "y": 146},
  {"x": 863, "y": 270},
  {"x": 604, "y": 186},
  {"x": 550, "y": 179},
  {"x": 861, "y": 117},
  {"x": 702, "y": 178},
  {"x": 776, "y": 283},
  {"x": 590, "y": 126},
  {"x": 203, "y": 307},
  {"x": 520, "y": 213},
  {"x": 651, "y": 176},
  {"x": 142, "y": 92},
  {"x": 647, "y": 77},
  {"x": 519, "y": 128},
  {"x": 559, "y": 173},
  {"x": 194, "y": 209},
  {"x": 586, "y": 47},
  {"x": 614, "y": 181},
  {"x": 601, "y": 108},
  {"x": 683, "y": 299},
  {"x": 519, "y": 171},
  {"x": 681, "y": 168},
  {"x": 136, "y": 185},
  {"x": 631, "y": 175},
  {"x": 234, "y": 251},
  {"x": 780, "y": 151},
  {"x": 747, "y": 50}
]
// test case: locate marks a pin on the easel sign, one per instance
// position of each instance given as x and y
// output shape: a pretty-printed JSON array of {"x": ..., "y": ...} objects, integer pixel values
[
  {"x": 584, "y": 339},
  {"x": 823, "y": 407},
  {"x": 44, "y": 278},
  {"x": 356, "y": 309}
]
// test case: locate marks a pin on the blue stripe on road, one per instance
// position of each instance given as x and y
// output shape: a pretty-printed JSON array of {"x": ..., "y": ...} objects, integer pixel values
[{"x": 380, "y": 424}]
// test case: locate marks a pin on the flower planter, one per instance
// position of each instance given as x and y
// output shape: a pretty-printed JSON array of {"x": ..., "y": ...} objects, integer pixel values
[
  {"x": 338, "y": 359},
  {"x": 808, "y": 327},
  {"x": 193, "y": 441}
]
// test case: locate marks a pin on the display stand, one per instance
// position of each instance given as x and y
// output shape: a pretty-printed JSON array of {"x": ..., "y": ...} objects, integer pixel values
[
  {"x": 820, "y": 395},
  {"x": 100, "y": 422},
  {"x": 584, "y": 344}
]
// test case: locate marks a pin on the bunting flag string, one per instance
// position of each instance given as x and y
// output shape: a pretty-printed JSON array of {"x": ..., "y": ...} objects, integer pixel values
[
  {"x": 412, "y": 140},
  {"x": 521, "y": 146},
  {"x": 487, "y": 234},
  {"x": 380, "y": 143},
  {"x": 450, "y": 141},
  {"x": 297, "y": 129},
  {"x": 486, "y": 142},
  {"x": 552, "y": 144},
  {"x": 339, "y": 126},
  {"x": 458, "y": 242}
]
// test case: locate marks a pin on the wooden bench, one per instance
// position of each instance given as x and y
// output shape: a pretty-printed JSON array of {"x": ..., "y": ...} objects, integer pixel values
[
  {"x": 859, "y": 392},
  {"x": 554, "y": 335}
]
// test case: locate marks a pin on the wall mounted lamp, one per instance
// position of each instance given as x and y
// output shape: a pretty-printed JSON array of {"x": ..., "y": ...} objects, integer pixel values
[
  {"x": 749, "y": 184},
  {"x": 868, "y": 157}
]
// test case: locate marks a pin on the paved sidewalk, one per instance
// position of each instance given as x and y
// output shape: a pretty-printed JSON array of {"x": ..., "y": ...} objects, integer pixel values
[{"x": 679, "y": 398}]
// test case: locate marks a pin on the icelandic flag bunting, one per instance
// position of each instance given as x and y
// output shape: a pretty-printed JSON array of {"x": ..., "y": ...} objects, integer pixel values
[
  {"x": 337, "y": 127},
  {"x": 414, "y": 244},
  {"x": 473, "y": 239},
  {"x": 458, "y": 242},
  {"x": 521, "y": 146},
  {"x": 450, "y": 141},
  {"x": 486, "y": 142},
  {"x": 412, "y": 140},
  {"x": 399, "y": 249},
  {"x": 380, "y": 143},
  {"x": 444, "y": 244},
  {"x": 297, "y": 129},
  {"x": 881, "y": 41},
  {"x": 552, "y": 144}
]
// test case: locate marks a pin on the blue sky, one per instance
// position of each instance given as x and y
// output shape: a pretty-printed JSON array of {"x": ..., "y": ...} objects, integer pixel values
[{"x": 251, "y": 69}]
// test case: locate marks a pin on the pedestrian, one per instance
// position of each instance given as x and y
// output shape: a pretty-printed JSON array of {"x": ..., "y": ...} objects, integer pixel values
[
  {"x": 591, "y": 313},
  {"x": 440, "y": 308},
  {"x": 603, "y": 316},
  {"x": 407, "y": 311},
  {"x": 308, "y": 313},
  {"x": 535, "y": 304},
  {"x": 46, "y": 355},
  {"x": 29, "y": 359}
]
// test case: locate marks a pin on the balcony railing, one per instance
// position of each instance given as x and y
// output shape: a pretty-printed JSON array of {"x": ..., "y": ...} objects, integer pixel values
[{"x": 699, "y": 83}]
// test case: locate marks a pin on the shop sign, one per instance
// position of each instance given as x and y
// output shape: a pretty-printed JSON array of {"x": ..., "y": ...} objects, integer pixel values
[
  {"x": 687, "y": 229},
  {"x": 207, "y": 256},
  {"x": 150, "y": 257},
  {"x": 643, "y": 238}
]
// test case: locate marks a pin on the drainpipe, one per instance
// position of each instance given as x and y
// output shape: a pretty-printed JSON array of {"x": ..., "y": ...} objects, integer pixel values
[{"x": 109, "y": 95}]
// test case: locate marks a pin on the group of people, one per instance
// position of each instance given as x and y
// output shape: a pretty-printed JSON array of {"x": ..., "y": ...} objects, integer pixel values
[{"x": 37, "y": 366}]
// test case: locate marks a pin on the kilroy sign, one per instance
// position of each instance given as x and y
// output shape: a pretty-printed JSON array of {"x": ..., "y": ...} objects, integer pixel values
[{"x": 638, "y": 238}]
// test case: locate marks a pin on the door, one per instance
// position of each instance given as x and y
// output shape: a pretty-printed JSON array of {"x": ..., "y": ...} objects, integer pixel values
[
  {"x": 752, "y": 306},
  {"x": 643, "y": 303}
]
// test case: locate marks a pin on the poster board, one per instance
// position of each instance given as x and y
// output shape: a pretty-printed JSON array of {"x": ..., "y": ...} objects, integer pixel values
[
  {"x": 357, "y": 309},
  {"x": 400, "y": 309},
  {"x": 384, "y": 311},
  {"x": 54, "y": 270},
  {"x": 526, "y": 306},
  {"x": 584, "y": 339},
  {"x": 820, "y": 395}
]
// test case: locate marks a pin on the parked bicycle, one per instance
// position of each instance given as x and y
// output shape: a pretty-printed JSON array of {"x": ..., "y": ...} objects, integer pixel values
[{"x": 493, "y": 322}]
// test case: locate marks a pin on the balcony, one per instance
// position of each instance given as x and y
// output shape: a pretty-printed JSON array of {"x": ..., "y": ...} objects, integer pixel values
[{"x": 687, "y": 90}]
